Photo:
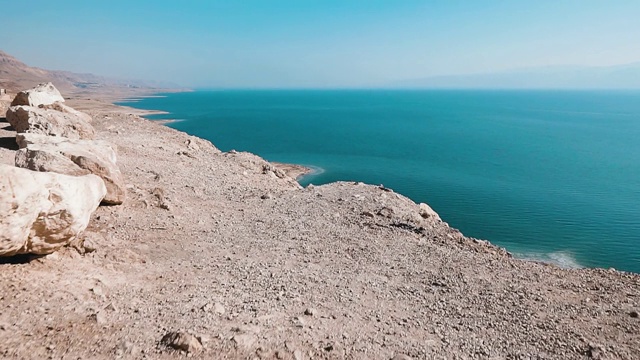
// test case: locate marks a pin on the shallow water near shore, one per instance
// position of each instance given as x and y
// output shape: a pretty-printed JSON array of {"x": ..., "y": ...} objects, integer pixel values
[{"x": 550, "y": 175}]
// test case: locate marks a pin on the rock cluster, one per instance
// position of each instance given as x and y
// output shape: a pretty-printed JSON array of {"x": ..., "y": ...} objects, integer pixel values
[
  {"x": 41, "y": 111},
  {"x": 42, "y": 211},
  {"x": 29, "y": 119},
  {"x": 61, "y": 175}
]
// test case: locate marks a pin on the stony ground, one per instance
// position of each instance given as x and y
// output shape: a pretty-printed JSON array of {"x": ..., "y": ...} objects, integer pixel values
[{"x": 227, "y": 248}]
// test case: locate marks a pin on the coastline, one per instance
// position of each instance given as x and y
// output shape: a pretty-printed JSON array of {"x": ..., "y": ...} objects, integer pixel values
[
  {"x": 107, "y": 99},
  {"x": 222, "y": 247},
  {"x": 294, "y": 171},
  {"x": 299, "y": 172}
]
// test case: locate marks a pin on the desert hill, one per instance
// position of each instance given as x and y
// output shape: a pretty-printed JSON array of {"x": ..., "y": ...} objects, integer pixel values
[{"x": 15, "y": 75}]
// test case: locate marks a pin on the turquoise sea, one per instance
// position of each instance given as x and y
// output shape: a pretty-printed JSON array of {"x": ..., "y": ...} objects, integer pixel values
[{"x": 549, "y": 175}]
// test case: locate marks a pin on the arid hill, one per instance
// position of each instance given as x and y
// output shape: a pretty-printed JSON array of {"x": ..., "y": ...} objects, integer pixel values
[{"x": 15, "y": 75}]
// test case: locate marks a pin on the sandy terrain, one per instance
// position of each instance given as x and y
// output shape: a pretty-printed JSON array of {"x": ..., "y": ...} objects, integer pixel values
[{"x": 228, "y": 248}]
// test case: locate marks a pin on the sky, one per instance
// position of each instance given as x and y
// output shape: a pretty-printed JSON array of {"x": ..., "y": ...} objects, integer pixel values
[{"x": 316, "y": 43}]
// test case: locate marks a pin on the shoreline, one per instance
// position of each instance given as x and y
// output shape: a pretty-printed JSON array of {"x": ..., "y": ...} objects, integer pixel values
[
  {"x": 245, "y": 263},
  {"x": 295, "y": 171},
  {"x": 299, "y": 172}
]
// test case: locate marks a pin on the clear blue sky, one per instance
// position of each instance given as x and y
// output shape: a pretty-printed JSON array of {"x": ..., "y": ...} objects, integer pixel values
[{"x": 316, "y": 43}]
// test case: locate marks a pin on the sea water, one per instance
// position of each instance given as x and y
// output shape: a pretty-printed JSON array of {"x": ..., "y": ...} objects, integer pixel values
[{"x": 549, "y": 175}]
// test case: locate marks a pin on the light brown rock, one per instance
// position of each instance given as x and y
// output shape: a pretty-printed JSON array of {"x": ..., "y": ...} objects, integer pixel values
[
  {"x": 182, "y": 341},
  {"x": 41, "y": 212},
  {"x": 58, "y": 106},
  {"x": 37, "y": 159},
  {"x": 73, "y": 157},
  {"x": 218, "y": 308},
  {"x": 401, "y": 357},
  {"x": 428, "y": 213},
  {"x": 28, "y": 119},
  {"x": 43, "y": 94}
]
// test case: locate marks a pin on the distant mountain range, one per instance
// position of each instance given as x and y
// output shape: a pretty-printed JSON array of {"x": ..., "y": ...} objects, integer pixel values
[
  {"x": 552, "y": 77},
  {"x": 16, "y": 75}
]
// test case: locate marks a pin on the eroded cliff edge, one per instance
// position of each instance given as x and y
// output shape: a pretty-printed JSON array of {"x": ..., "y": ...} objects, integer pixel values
[{"x": 223, "y": 246}]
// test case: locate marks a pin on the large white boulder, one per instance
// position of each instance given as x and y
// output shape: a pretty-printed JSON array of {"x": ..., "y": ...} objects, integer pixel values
[
  {"x": 28, "y": 119},
  {"x": 73, "y": 157},
  {"x": 43, "y": 94},
  {"x": 41, "y": 212}
]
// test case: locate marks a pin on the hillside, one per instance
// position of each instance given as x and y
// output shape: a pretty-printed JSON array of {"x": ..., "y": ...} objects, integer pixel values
[{"x": 15, "y": 75}]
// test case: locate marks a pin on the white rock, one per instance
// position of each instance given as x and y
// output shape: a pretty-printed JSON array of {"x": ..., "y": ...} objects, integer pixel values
[
  {"x": 41, "y": 212},
  {"x": 28, "y": 119},
  {"x": 105, "y": 148},
  {"x": 73, "y": 157},
  {"x": 53, "y": 161},
  {"x": 244, "y": 341},
  {"x": 58, "y": 106},
  {"x": 218, "y": 308},
  {"x": 43, "y": 94}
]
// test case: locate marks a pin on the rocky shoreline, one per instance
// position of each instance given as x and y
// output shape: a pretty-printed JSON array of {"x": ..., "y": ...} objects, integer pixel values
[{"x": 223, "y": 255}]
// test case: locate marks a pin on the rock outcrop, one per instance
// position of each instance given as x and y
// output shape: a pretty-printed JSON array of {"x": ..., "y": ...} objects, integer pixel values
[
  {"x": 58, "y": 106},
  {"x": 43, "y": 94},
  {"x": 41, "y": 212},
  {"x": 75, "y": 158},
  {"x": 428, "y": 213},
  {"x": 29, "y": 119}
]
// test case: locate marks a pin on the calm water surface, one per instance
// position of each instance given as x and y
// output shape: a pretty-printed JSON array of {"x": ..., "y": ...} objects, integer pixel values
[{"x": 551, "y": 175}]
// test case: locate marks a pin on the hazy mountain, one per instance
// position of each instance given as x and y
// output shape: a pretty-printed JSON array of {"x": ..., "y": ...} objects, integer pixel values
[
  {"x": 16, "y": 75},
  {"x": 553, "y": 77}
]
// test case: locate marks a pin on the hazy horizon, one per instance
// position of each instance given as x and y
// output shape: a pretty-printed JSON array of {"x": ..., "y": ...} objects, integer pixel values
[{"x": 332, "y": 44}]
